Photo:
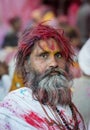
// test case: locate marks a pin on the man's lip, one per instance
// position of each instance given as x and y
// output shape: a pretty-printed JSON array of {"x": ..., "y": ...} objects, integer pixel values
[{"x": 54, "y": 73}]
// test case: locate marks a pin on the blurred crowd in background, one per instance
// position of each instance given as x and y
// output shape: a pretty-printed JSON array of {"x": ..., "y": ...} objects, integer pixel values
[{"x": 71, "y": 16}]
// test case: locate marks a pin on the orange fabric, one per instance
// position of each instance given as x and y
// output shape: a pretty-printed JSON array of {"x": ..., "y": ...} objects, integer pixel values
[
  {"x": 17, "y": 82},
  {"x": 75, "y": 64}
]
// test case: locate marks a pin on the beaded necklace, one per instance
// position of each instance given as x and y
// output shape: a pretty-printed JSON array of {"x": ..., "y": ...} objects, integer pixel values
[
  {"x": 75, "y": 127},
  {"x": 58, "y": 117},
  {"x": 60, "y": 121}
]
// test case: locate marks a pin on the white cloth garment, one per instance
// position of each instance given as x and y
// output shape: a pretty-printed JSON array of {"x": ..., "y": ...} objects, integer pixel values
[
  {"x": 81, "y": 96},
  {"x": 84, "y": 58},
  {"x": 5, "y": 84},
  {"x": 19, "y": 111}
]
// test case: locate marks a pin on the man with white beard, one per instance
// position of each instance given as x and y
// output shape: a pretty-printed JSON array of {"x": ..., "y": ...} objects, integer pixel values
[{"x": 43, "y": 58}]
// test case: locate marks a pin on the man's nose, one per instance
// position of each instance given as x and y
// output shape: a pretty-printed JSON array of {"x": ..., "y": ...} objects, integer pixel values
[{"x": 53, "y": 62}]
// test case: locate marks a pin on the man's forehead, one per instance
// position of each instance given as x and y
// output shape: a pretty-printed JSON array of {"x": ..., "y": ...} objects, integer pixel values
[{"x": 49, "y": 45}]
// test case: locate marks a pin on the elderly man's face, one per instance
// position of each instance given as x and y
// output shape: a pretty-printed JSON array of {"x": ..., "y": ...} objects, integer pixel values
[
  {"x": 46, "y": 55},
  {"x": 46, "y": 73}
]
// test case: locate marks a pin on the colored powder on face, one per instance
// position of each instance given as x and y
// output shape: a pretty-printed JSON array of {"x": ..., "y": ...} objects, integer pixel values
[{"x": 52, "y": 46}]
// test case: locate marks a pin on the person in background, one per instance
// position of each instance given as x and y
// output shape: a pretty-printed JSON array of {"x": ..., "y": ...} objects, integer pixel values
[
  {"x": 9, "y": 48},
  {"x": 3, "y": 31},
  {"x": 11, "y": 38},
  {"x": 47, "y": 11},
  {"x": 5, "y": 81},
  {"x": 45, "y": 103},
  {"x": 83, "y": 21},
  {"x": 81, "y": 85}
]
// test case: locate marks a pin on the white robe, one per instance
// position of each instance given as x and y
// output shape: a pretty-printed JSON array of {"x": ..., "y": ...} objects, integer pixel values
[
  {"x": 19, "y": 111},
  {"x": 5, "y": 84}
]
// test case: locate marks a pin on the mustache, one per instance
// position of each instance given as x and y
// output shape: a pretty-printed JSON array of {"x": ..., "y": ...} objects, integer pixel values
[{"x": 54, "y": 71}]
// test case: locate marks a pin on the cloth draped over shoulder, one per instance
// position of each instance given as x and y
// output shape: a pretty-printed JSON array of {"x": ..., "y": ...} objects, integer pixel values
[{"x": 20, "y": 111}]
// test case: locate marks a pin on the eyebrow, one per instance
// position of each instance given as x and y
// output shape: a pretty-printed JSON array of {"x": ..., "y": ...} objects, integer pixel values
[
  {"x": 47, "y": 52},
  {"x": 43, "y": 52}
]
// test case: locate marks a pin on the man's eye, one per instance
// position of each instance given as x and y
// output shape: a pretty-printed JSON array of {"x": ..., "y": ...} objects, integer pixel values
[
  {"x": 58, "y": 55},
  {"x": 43, "y": 55}
]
